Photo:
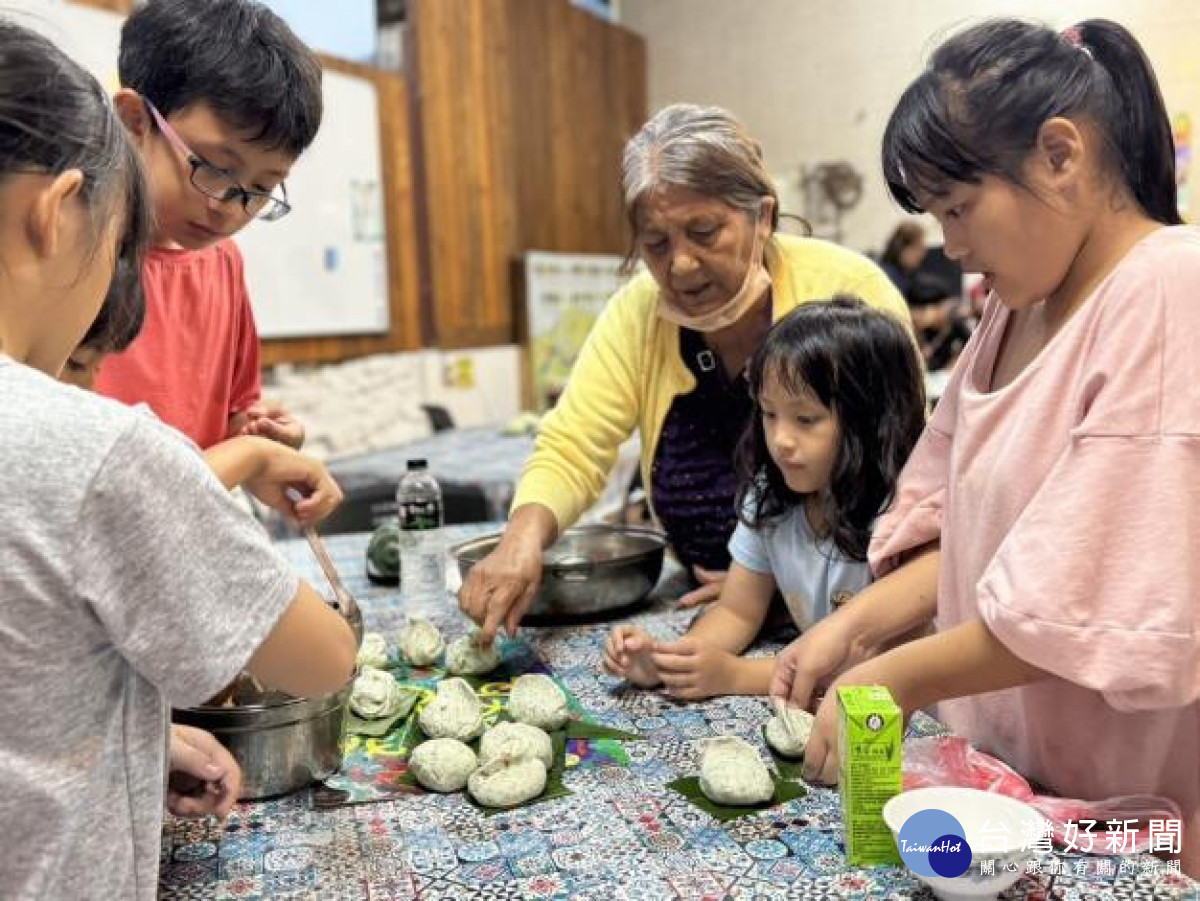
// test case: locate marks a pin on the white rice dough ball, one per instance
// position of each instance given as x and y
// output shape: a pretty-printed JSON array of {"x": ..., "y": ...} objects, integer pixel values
[
  {"x": 467, "y": 657},
  {"x": 420, "y": 641},
  {"x": 442, "y": 764},
  {"x": 507, "y": 782},
  {"x": 788, "y": 734},
  {"x": 516, "y": 740},
  {"x": 373, "y": 651},
  {"x": 377, "y": 695},
  {"x": 733, "y": 773},
  {"x": 536, "y": 700},
  {"x": 455, "y": 712}
]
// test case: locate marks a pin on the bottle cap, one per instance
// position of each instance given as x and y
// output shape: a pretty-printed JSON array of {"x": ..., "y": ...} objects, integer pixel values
[{"x": 417, "y": 464}]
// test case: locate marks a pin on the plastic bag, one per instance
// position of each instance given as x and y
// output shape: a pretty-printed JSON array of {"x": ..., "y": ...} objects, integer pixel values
[{"x": 951, "y": 761}]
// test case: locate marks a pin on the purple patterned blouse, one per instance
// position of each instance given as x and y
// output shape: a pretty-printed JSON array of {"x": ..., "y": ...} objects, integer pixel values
[{"x": 692, "y": 480}]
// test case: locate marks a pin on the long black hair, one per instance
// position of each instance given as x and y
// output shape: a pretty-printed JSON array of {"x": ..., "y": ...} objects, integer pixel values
[
  {"x": 977, "y": 109},
  {"x": 861, "y": 364},
  {"x": 121, "y": 314},
  {"x": 55, "y": 117}
]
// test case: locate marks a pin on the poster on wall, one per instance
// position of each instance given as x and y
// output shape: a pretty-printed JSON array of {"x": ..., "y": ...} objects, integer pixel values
[{"x": 564, "y": 293}]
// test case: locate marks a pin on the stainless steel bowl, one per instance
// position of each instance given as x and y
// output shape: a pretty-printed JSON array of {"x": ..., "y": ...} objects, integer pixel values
[
  {"x": 281, "y": 743},
  {"x": 590, "y": 571}
]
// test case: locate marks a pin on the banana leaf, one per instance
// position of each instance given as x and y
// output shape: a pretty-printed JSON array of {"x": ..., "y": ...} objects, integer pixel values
[
  {"x": 787, "y": 767},
  {"x": 380, "y": 727},
  {"x": 689, "y": 788},
  {"x": 593, "y": 731}
]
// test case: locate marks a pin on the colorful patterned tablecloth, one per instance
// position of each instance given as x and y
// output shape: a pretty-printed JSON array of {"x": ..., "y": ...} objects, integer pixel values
[{"x": 621, "y": 834}]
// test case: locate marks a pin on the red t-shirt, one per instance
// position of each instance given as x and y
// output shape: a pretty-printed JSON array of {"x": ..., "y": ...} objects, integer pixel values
[{"x": 195, "y": 362}]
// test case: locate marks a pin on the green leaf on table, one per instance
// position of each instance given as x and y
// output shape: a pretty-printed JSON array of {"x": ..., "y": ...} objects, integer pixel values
[
  {"x": 377, "y": 728},
  {"x": 787, "y": 767},
  {"x": 372, "y": 728},
  {"x": 577, "y": 729},
  {"x": 689, "y": 788}
]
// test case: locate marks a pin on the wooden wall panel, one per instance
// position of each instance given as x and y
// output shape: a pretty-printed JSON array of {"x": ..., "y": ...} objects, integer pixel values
[
  {"x": 460, "y": 70},
  {"x": 522, "y": 110}
]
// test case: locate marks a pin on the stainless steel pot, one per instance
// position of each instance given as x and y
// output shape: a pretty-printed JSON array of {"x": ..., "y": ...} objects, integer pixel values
[
  {"x": 281, "y": 743},
  {"x": 590, "y": 570}
]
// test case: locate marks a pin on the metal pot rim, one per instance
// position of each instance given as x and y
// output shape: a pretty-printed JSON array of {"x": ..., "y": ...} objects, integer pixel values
[
  {"x": 293, "y": 710},
  {"x": 458, "y": 551}
]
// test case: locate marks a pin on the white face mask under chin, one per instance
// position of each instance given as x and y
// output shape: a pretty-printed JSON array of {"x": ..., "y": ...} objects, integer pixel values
[{"x": 755, "y": 285}]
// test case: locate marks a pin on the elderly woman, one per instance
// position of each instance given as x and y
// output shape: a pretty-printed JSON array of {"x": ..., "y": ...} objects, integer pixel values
[{"x": 667, "y": 355}]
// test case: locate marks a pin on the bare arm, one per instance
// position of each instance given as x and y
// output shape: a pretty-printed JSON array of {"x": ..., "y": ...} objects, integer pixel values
[
  {"x": 965, "y": 660},
  {"x": 732, "y": 623},
  {"x": 532, "y": 524},
  {"x": 270, "y": 471},
  {"x": 310, "y": 651},
  {"x": 900, "y": 602},
  {"x": 236, "y": 460}
]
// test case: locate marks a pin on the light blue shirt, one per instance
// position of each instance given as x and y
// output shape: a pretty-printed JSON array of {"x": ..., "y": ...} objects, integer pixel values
[{"x": 813, "y": 576}]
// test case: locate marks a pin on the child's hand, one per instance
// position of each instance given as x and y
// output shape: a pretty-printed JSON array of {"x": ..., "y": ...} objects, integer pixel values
[
  {"x": 281, "y": 469},
  {"x": 692, "y": 669},
  {"x": 820, "y": 653},
  {"x": 268, "y": 419},
  {"x": 203, "y": 779},
  {"x": 821, "y": 753},
  {"x": 628, "y": 655}
]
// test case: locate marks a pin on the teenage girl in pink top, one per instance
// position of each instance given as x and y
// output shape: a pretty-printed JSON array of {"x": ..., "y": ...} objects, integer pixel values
[{"x": 1049, "y": 518}]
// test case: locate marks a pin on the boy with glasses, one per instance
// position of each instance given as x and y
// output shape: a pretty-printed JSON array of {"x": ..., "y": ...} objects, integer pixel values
[{"x": 221, "y": 98}]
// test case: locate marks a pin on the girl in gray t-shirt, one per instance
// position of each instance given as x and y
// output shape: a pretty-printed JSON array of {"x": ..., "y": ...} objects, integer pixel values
[
  {"x": 130, "y": 581},
  {"x": 840, "y": 402}
]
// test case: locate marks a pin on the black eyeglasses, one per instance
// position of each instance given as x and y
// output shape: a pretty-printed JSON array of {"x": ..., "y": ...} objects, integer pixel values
[{"x": 219, "y": 184}]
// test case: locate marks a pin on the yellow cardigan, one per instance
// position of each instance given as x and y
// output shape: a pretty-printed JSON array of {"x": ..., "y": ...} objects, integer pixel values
[{"x": 629, "y": 372}]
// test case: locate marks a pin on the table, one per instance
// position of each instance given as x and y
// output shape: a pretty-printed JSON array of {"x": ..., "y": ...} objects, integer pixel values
[
  {"x": 476, "y": 457},
  {"x": 621, "y": 835}
]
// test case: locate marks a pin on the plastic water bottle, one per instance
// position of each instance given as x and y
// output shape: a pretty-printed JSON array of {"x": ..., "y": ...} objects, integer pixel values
[{"x": 422, "y": 547}]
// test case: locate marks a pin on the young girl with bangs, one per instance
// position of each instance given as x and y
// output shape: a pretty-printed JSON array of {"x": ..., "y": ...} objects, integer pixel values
[{"x": 839, "y": 403}]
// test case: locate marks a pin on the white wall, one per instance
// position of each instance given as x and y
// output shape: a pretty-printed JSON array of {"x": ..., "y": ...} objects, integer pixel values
[
  {"x": 815, "y": 80},
  {"x": 494, "y": 395}
]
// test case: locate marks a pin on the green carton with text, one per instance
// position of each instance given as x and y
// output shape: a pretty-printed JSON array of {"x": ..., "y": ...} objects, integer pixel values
[{"x": 870, "y": 734}]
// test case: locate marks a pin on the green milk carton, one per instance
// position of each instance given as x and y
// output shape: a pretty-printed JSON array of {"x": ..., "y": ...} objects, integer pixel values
[{"x": 870, "y": 732}]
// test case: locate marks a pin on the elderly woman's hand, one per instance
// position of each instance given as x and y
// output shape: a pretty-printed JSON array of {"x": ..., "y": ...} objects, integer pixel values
[
  {"x": 500, "y": 588},
  {"x": 711, "y": 583}
]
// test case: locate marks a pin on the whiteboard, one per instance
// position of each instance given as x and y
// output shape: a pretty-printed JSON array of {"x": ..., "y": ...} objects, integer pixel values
[{"x": 322, "y": 269}]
